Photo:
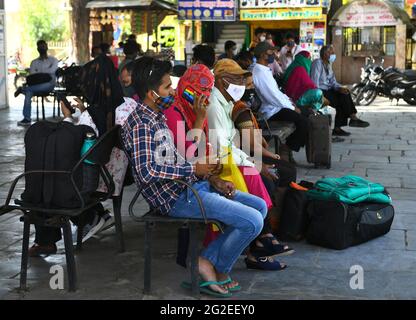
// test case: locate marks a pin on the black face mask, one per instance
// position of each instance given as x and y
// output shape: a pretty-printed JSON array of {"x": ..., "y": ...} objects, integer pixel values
[
  {"x": 129, "y": 91},
  {"x": 42, "y": 51}
]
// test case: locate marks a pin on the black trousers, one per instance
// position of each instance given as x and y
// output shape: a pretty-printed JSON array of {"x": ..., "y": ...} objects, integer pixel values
[
  {"x": 50, "y": 235},
  {"x": 298, "y": 138},
  {"x": 287, "y": 173},
  {"x": 343, "y": 104}
]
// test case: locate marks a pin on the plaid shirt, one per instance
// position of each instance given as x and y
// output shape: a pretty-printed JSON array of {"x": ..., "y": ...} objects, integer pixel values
[{"x": 148, "y": 141}]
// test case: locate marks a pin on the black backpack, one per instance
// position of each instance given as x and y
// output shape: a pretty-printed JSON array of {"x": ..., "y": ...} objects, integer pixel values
[
  {"x": 53, "y": 146},
  {"x": 38, "y": 78}
]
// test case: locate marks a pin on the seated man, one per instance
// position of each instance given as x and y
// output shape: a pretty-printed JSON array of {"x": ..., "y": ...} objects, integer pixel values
[
  {"x": 44, "y": 64},
  {"x": 338, "y": 95},
  {"x": 157, "y": 164},
  {"x": 276, "y": 106}
]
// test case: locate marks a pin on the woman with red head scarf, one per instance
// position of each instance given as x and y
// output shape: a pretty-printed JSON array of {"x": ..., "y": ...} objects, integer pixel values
[
  {"x": 184, "y": 116},
  {"x": 299, "y": 86}
]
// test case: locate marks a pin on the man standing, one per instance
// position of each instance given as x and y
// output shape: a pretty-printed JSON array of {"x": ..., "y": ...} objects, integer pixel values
[
  {"x": 230, "y": 48},
  {"x": 259, "y": 36},
  {"x": 288, "y": 51},
  {"x": 339, "y": 96},
  {"x": 46, "y": 65}
]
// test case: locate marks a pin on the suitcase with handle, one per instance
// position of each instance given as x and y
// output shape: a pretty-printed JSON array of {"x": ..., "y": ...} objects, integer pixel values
[{"x": 318, "y": 146}]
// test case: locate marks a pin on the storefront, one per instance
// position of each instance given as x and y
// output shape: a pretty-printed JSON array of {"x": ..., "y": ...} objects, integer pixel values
[
  {"x": 305, "y": 19},
  {"x": 150, "y": 20},
  {"x": 364, "y": 28}
]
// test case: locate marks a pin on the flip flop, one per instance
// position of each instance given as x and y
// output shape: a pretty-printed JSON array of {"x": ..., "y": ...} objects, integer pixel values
[
  {"x": 233, "y": 289},
  {"x": 204, "y": 288}
]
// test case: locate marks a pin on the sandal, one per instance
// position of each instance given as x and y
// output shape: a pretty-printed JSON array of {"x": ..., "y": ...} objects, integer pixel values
[
  {"x": 266, "y": 263},
  {"x": 204, "y": 288},
  {"x": 270, "y": 249},
  {"x": 232, "y": 289}
]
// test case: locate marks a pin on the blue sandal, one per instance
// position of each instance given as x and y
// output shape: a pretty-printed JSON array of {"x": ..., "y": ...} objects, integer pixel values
[
  {"x": 204, "y": 288},
  {"x": 233, "y": 289},
  {"x": 270, "y": 249},
  {"x": 265, "y": 263}
]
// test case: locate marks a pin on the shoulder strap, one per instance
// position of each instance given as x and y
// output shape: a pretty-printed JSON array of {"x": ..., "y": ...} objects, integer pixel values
[{"x": 49, "y": 164}]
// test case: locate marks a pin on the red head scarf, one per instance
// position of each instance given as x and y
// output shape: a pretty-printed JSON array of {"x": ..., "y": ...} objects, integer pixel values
[{"x": 201, "y": 80}]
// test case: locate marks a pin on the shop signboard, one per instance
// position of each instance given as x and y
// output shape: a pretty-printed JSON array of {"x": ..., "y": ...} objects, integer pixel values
[
  {"x": 207, "y": 10},
  {"x": 411, "y": 8},
  {"x": 258, "y": 4},
  {"x": 281, "y": 14},
  {"x": 3, "y": 62},
  {"x": 362, "y": 14}
]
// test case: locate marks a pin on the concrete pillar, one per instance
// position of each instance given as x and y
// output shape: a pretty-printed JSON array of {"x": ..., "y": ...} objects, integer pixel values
[
  {"x": 400, "y": 61},
  {"x": 337, "y": 43}
]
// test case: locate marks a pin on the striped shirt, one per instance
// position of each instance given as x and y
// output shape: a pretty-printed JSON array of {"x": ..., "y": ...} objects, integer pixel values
[{"x": 156, "y": 161}]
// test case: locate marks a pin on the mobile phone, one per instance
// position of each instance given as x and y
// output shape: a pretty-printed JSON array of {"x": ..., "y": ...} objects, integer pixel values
[
  {"x": 189, "y": 95},
  {"x": 61, "y": 97}
]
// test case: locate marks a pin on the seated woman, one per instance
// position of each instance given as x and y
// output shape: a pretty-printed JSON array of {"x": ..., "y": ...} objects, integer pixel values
[
  {"x": 276, "y": 173},
  {"x": 299, "y": 86}
]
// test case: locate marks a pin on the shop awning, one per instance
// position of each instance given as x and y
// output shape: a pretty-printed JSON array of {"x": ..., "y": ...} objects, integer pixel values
[
  {"x": 143, "y": 4},
  {"x": 370, "y": 13}
]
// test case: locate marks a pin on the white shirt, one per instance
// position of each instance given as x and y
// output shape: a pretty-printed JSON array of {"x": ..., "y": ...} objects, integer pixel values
[
  {"x": 221, "y": 128},
  {"x": 272, "y": 99},
  {"x": 48, "y": 65},
  {"x": 286, "y": 61}
]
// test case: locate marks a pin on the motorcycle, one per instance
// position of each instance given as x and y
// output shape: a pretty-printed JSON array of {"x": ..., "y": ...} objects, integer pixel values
[
  {"x": 365, "y": 74},
  {"x": 391, "y": 83}
]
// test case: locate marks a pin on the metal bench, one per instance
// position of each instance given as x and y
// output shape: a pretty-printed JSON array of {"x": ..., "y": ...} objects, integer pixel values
[{"x": 278, "y": 131}]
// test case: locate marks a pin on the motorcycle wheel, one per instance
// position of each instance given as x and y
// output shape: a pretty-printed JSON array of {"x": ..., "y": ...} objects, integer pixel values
[
  {"x": 355, "y": 91},
  {"x": 410, "y": 101},
  {"x": 366, "y": 97}
]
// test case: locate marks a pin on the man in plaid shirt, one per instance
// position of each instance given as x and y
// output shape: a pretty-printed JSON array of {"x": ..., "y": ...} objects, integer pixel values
[{"x": 157, "y": 164}]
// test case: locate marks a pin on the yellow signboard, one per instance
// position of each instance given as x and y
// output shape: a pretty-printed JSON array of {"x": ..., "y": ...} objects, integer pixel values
[{"x": 281, "y": 14}]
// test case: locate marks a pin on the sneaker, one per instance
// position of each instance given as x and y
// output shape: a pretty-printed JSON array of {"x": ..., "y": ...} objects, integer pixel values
[
  {"x": 358, "y": 123},
  {"x": 340, "y": 132},
  {"x": 89, "y": 229},
  {"x": 18, "y": 91},
  {"x": 24, "y": 123},
  {"x": 337, "y": 139},
  {"x": 108, "y": 221}
]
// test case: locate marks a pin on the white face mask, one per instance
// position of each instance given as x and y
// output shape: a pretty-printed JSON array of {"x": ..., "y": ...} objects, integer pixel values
[
  {"x": 235, "y": 51},
  {"x": 235, "y": 91},
  {"x": 262, "y": 38}
]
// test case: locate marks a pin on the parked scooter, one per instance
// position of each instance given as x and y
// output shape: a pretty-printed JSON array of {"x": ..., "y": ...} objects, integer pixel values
[{"x": 391, "y": 83}]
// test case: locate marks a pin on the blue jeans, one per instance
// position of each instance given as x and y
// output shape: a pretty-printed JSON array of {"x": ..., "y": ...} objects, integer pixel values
[
  {"x": 29, "y": 92},
  {"x": 243, "y": 215}
]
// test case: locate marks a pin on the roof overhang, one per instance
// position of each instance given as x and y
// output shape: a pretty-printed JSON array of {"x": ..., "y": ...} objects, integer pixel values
[{"x": 143, "y": 4}]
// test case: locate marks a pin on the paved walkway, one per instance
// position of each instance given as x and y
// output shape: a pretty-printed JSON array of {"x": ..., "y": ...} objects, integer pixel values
[{"x": 384, "y": 152}]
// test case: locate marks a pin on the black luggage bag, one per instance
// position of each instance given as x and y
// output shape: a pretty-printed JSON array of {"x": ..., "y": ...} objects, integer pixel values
[
  {"x": 318, "y": 146},
  {"x": 337, "y": 225}
]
